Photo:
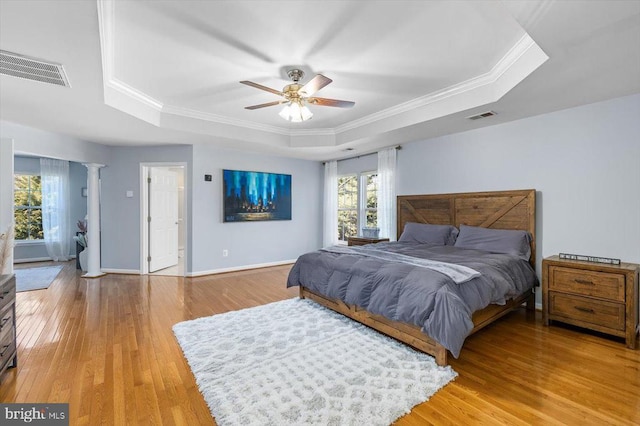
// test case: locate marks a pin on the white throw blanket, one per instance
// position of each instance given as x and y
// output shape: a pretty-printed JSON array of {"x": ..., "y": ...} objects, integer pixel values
[{"x": 458, "y": 273}]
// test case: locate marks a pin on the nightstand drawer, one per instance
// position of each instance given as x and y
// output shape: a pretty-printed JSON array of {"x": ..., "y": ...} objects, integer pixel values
[
  {"x": 599, "y": 312},
  {"x": 588, "y": 283}
]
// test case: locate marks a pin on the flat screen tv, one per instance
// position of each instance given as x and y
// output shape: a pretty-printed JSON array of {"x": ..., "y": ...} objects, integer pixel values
[{"x": 253, "y": 196}]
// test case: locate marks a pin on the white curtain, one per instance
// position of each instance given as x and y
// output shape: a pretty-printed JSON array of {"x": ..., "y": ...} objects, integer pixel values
[
  {"x": 55, "y": 207},
  {"x": 387, "y": 193},
  {"x": 330, "y": 228}
]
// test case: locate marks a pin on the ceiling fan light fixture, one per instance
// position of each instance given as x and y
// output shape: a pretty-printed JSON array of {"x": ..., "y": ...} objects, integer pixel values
[
  {"x": 295, "y": 112},
  {"x": 285, "y": 113},
  {"x": 305, "y": 113}
]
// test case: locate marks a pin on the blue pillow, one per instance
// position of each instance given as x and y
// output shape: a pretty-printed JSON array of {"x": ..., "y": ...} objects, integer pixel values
[
  {"x": 507, "y": 241},
  {"x": 425, "y": 233}
]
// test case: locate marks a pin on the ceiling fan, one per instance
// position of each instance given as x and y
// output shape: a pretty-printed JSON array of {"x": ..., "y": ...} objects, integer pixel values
[{"x": 297, "y": 96}]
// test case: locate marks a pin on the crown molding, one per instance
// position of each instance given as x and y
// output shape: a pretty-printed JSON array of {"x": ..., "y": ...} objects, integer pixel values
[
  {"x": 135, "y": 94},
  {"x": 106, "y": 20},
  {"x": 508, "y": 60},
  {"x": 312, "y": 132},
  {"x": 215, "y": 118}
]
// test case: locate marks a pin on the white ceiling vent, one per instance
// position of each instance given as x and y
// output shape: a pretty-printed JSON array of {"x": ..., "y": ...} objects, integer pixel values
[
  {"x": 32, "y": 69},
  {"x": 482, "y": 115}
]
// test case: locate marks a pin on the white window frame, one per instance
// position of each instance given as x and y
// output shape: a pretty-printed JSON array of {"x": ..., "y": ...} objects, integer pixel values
[
  {"x": 362, "y": 195},
  {"x": 361, "y": 210}
]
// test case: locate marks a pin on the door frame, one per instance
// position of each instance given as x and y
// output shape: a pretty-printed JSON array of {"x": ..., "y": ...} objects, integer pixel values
[{"x": 144, "y": 213}]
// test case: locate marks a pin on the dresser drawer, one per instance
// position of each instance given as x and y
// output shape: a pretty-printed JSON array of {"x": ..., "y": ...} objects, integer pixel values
[
  {"x": 7, "y": 293},
  {"x": 599, "y": 312},
  {"x": 6, "y": 322},
  {"x": 588, "y": 283},
  {"x": 7, "y": 349}
]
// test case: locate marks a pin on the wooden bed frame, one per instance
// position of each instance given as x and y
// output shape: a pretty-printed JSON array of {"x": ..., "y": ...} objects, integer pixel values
[{"x": 498, "y": 210}]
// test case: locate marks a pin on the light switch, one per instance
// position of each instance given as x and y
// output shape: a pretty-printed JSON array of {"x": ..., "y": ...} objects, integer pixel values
[{"x": 129, "y": 194}]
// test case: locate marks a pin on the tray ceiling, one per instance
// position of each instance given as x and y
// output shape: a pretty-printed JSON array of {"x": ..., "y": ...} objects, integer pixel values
[
  {"x": 401, "y": 62},
  {"x": 158, "y": 72}
]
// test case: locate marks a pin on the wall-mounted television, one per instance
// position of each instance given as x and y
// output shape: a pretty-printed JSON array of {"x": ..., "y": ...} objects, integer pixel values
[{"x": 254, "y": 196}]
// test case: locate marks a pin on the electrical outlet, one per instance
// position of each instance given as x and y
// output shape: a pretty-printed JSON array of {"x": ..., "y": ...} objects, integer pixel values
[{"x": 225, "y": 253}]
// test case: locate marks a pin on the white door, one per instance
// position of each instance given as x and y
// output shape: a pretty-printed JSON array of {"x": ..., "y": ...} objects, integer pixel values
[{"x": 163, "y": 214}]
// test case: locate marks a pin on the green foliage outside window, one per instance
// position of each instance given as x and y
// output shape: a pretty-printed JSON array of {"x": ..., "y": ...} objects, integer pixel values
[
  {"x": 27, "y": 201},
  {"x": 347, "y": 207},
  {"x": 371, "y": 209}
]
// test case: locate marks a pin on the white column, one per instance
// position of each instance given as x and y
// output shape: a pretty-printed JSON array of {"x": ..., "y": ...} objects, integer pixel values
[{"x": 93, "y": 220}]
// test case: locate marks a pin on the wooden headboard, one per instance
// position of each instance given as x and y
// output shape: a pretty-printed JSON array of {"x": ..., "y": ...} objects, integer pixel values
[{"x": 497, "y": 210}]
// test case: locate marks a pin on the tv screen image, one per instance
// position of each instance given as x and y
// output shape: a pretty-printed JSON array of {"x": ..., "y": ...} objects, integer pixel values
[{"x": 254, "y": 196}]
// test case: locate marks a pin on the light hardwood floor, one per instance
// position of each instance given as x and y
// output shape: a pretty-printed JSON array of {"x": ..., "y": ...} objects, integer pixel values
[{"x": 106, "y": 347}]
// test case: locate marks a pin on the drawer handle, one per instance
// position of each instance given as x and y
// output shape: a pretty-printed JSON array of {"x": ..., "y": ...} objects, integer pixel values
[
  {"x": 4, "y": 349},
  {"x": 587, "y": 310},
  {"x": 4, "y": 294},
  {"x": 579, "y": 281},
  {"x": 4, "y": 321}
]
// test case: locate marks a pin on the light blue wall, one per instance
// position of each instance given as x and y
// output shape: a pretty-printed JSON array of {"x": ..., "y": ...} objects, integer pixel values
[
  {"x": 28, "y": 165},
  {"x": 120, "y": 215},
  {"x": 583, "y": 163},
  {"x": 40, "y": 143},
  {"x": 252, "y": 243},
  {"x": 248, "y": 243},
  {"x": 365, "y": 163}
]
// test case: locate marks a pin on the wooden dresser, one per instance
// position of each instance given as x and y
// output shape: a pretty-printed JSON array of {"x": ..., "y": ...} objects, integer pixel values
[
  {"x": 8, "y": 349},
  {"x": 361, "y": 241},
  {"x": 596, "y": 296}
]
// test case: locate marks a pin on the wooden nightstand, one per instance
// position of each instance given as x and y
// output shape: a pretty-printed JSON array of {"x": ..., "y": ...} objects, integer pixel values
[
  {"x": 361, "y": 241},
  {"x": 596, "y": 296}
]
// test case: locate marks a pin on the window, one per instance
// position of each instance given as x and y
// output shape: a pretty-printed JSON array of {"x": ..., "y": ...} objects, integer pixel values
[
  {"x": 357, "y": 203},
  {"x": 27, "y": 202}
]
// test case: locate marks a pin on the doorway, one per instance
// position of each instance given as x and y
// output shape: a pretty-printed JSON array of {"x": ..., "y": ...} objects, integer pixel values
[{"x": 163, "y": 219}]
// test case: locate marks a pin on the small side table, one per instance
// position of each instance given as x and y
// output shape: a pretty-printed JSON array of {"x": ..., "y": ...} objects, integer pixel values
[
  {"x": 361, "y": 241},
  {"x": 596, "y": 296}
]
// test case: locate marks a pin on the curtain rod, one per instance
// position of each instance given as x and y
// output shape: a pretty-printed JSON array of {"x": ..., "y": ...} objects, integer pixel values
[{"x": 398, "y": 148}]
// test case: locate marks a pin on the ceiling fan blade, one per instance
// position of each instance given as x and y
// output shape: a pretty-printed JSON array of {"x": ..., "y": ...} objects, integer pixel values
[
  {"x": 261, "y": 87},
  {"x": 315, "y": 84},
  {"x": 266, "y": 105},
  {"x": 330, "y": 102}
]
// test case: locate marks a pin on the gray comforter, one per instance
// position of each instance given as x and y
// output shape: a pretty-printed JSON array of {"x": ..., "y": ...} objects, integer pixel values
[{"x": 408, "y": 292}]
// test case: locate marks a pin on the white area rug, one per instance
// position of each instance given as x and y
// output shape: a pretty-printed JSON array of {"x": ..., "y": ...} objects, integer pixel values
[
  {"x": 296, "y": 363},
  {"x": 35, "y": 278}
]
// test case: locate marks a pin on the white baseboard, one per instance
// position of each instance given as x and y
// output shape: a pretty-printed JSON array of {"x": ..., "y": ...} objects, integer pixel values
[
  {"x": 209, "y": 272},
  {"x": 37, "y": 259},
  {"x": 238, "y": 268},
  {"x": 121, "y": 271},
  {"x": 33, "y": 259}
]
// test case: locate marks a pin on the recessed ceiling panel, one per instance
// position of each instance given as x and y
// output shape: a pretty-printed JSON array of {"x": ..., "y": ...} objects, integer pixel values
[{"x": 379, "y": 54}]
